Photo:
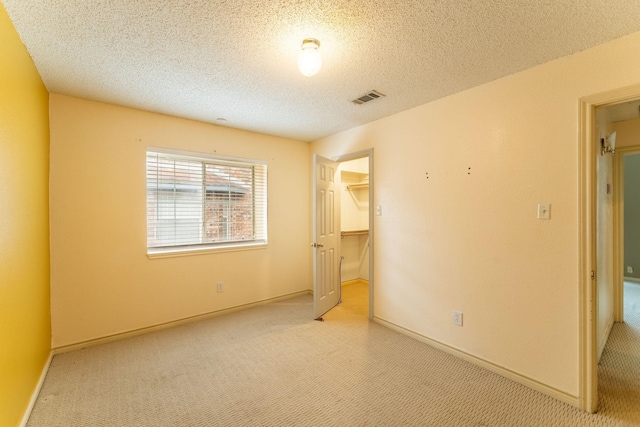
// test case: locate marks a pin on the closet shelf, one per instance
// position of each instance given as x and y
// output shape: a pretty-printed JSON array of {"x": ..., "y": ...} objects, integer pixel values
[
  {"x": 357, "y": 186},
  {"x": 344, "y": 234}
]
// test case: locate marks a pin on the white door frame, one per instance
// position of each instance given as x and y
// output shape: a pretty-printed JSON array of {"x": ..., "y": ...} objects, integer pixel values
[
  {"x": 358, "y": 155},
  {"x": 587, "y": 204}
]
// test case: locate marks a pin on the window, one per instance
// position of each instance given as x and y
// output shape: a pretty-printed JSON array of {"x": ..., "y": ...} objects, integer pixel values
[{"x": 198, "y": 202}]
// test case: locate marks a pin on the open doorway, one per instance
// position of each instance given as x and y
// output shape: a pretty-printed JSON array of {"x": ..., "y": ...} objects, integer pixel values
[
  {"x": 328, "y": 188},
  {"x": 357, "y": 231},
  {"x": 625, "y": 124},
  {"x": 354, "y": 234},
  {"x": 601, "y": 272}
]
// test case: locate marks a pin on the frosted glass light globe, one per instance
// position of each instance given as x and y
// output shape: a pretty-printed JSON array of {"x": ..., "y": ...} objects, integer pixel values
[{"x": 310, "y": 61}]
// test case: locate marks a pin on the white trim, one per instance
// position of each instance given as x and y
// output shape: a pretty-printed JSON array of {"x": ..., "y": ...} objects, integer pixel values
[
  {"x": 36, "y": 391},
  {"x": 587, "y": 291},
  {"x": 500, "y": 370},
  {"x": 618, "y": 236},
  {"x": 141, "y": 331},
  {"x": 631, "y": 279}
]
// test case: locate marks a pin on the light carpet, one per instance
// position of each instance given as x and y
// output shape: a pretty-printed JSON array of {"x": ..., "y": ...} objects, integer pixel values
[{"x": 273, "y": 366}]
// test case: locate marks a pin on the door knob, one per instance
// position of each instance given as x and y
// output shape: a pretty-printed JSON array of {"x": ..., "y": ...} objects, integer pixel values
[{"x": 317, "y": 245}]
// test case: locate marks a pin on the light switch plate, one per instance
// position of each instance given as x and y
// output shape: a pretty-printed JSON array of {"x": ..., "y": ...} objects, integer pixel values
[{"x": 544, "y": 211}]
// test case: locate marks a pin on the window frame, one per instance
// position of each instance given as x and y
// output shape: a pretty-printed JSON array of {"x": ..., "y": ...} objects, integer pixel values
[{"x": 259, "y": 213}]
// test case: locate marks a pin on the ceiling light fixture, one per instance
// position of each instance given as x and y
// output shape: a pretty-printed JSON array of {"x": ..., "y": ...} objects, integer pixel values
[{"x": 309, "y": 61}]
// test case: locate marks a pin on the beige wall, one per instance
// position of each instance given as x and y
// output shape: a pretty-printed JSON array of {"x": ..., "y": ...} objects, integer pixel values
[
  {"x": 102, "y": 282},
  {"x": 25, "y": 325},
  {"x": 468, "y": 239},
  {"x": 627, "y": 133}
]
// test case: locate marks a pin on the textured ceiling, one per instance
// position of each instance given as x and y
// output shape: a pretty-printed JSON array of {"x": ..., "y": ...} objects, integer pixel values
[
  {"x": 623, "y": 112},
  {"x": 204, "y": 59}
]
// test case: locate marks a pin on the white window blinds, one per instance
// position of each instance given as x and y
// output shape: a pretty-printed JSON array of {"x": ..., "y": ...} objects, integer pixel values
[{"x": 194, "y": 202}]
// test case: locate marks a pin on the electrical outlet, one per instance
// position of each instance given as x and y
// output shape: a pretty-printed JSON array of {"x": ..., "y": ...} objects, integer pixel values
[
  {"x": 220, "y": 287},
  {"x": 629, "y": 269},
  {"x": 457, "y": 318}
]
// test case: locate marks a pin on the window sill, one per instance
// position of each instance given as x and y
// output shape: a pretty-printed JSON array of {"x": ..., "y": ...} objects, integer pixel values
[{"x": 173, "y": 252}]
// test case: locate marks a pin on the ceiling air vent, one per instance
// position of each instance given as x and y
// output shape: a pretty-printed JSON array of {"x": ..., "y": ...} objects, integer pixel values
[{"x": 374, "y": 94}]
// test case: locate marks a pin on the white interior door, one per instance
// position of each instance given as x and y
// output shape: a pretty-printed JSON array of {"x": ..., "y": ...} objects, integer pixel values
[{"x": 326, "y": 236}]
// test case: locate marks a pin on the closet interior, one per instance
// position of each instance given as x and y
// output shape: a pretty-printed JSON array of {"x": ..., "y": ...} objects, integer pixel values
[{"x": 354, "y": 219}]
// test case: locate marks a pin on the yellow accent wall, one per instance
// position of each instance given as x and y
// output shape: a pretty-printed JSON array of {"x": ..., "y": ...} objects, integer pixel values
[
  {"x": 467, "y": 238},
  {"x": 25, "y": 326}
]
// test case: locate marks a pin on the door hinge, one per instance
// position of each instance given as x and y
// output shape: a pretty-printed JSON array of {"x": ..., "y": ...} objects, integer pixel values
[{"x": 593, "y": 274}]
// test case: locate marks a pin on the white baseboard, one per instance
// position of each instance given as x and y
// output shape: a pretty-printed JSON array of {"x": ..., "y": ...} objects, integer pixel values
[
  {"x": 507, "y": 373},
  {"x": 36, "y": 391},
  {"x": 161, "y": 326},
  {"x": 354, "y": 282},
  {"x": 631, "y": 279}
]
